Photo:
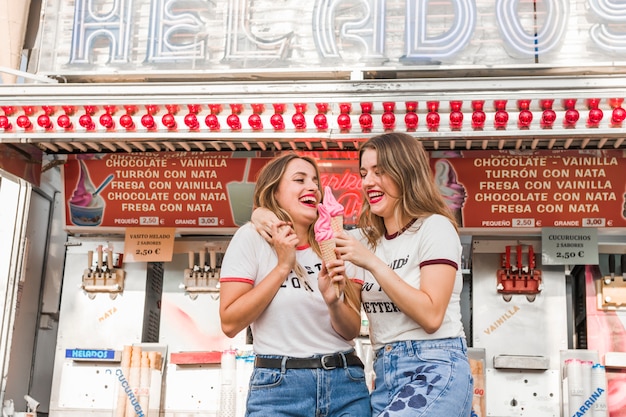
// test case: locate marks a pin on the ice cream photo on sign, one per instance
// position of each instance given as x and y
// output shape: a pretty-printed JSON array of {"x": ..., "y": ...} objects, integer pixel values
[
  {"x": 86, "y": 204},
  {"x": 329, "y": 222},
  {"x": 453, "y": 193}
]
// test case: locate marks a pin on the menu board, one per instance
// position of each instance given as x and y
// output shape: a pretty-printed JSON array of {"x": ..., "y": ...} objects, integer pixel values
[
  {"x": 214, "y": 190},
  {"x": 528, "y": 189},
  {"x": 177, "y": 189}
]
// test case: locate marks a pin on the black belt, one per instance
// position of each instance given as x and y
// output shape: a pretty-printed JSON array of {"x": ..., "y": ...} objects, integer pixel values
[{"x": 325, "y": 362}]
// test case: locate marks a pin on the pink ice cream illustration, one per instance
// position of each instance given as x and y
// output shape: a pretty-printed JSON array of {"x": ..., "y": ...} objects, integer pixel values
[
  {"x": 86, "y": 205},
  {"x": 453, "y": 192}
]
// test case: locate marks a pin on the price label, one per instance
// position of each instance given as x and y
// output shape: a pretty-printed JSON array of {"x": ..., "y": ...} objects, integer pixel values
[
  {"x": 594, "y": 222},
  {"x": 149, "y": 244},
  {"x": 569, "y": 246},
  {"x": 149, "y": 221},
  {"x": 208, "y": 221},
  {"x": 523, "y": 223}
]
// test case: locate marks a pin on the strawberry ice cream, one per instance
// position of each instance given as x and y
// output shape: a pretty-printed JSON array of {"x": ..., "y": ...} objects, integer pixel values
[
  {"x": 334, "y": 208},
  {"x": 324, "y": 235}
]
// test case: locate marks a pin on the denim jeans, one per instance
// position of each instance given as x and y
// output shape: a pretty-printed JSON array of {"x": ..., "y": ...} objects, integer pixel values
[
  {"x": 419, "y": 378},
  {"x": 339, "y": 392}
]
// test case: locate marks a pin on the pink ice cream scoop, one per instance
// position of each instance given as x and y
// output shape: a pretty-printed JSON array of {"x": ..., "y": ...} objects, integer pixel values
[
  {"x": 331, "y": 204},
  {"x": 322, "y": 228},
  {"x": 82, "y": 196}
]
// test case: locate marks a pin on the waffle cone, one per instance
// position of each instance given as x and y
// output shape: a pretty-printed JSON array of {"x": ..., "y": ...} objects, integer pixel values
[
  {"x": 327, "y": 248},
  {"x": 336, "y": 223}
]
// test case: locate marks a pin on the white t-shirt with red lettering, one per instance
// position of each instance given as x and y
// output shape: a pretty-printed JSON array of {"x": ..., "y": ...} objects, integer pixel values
[
  {"x": 432, "y": 240},
  {"x": 297, "y": 322}
]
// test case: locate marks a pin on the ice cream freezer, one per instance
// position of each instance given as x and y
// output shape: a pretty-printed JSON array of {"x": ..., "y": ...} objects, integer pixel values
[{"x": 137, "y": 337}]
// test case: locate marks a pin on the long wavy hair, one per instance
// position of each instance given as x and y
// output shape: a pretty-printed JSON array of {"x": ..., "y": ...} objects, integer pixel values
[
  {"x": 404, "y": 160},
  {"x": 265, "y": 190}
]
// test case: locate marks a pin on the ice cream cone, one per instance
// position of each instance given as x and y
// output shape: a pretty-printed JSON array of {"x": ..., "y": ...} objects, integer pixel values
[
  {"x": 328, "y": 254},
  {"x": 336, "y": 223}
]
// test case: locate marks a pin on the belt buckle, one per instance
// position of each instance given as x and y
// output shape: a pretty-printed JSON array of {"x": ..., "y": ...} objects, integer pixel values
[{"x": 324, "y": 362}]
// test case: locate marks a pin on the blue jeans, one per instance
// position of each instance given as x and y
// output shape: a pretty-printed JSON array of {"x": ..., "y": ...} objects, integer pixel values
[
  {"x": 419, "y": 378},
  {"x": 339, "y": 392}
]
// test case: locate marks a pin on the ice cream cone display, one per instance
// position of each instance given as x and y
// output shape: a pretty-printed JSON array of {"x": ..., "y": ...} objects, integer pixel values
[
  {"x": 325, "y": 237},
  {"x": 136, "y": 370}
]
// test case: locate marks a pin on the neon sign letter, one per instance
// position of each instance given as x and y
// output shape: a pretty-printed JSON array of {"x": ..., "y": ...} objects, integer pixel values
[
  {"x": 420, "y": 47},
  {"x": 91, "y": 25},
  {"x": 368, "y": 30},
  {"x": 521, "y": 43},
  {"x": 242, "y": 44},
  {"x": 609, "y": 11},
  {"x": 166, "y": 26}
]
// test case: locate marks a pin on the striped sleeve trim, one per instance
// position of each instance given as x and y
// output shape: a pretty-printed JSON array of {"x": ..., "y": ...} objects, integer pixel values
[
  {"x": 236, "y": 279},
  {"x": 439, "y": 262}
]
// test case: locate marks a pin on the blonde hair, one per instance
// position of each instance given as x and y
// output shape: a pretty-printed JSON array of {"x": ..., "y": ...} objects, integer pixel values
[
  {"x": 267, "y": 182},
  {"x": 404, "y": 160}
]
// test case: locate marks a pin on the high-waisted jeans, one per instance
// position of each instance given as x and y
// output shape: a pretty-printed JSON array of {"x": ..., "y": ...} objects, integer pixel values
[
  {"x": 339, "y": 392},
  {"x": 423, "y": 378}
]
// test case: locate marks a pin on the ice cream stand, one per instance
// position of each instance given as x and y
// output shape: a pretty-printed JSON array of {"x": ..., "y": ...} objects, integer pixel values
[{"x": 143, "y": 124}]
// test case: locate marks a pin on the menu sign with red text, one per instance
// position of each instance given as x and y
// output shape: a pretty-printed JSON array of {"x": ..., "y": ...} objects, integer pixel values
[{"x": 527, "y": 189}]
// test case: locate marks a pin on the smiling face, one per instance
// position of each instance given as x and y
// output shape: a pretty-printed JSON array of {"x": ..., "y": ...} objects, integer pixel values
[
  {"x": 381, "y": 191},
  {"x": 298, "y": 192}
]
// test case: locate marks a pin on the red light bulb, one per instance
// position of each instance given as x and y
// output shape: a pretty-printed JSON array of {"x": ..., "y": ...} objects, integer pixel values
[
  {"x": 389, "y": 120},
  {"x": 411, "y": 106},
  {"x": 478, "y": 119},
  {"x": 91, "y": 110},
  {"x": 432, "y": 120},
  {"x": 593, "y": 103},
  {"x": 191, "y": 121},
  {"x": 523, "y": 104},
  {"x": 300, "y": 107},
  {"x": 172, "y": 108},
  {"x": 478, "y": 105},
  {"x": 321, "y": 123},
  {"x": 48, "y": 110},
  {"x": 595, "y": 117},
  {"x": 525, "y": 118},
  {"x": 456, "y": 119},
  {"x": 69, "y": 110},
  {"x": 571, "y": 117},
  {"x": 236, "y": 109},
  {"x": 366, "y": 122},
  {"x": 215, "y": 108},
  {"x": 194, "y": 108},
  {"x": 548, "y": 118},
  {"x": 389, "y": 106},
  {"x": 151, "y": 109},
  {"x": 345, "y": 108},
  {"x": 64, "y": 121},
  {"x": 569, "y": 103},
  {"x": 126, "y": 121},
  {"x": 499, "y": 105},
  {"x": 29, "y": 110},
  {"x": 618, "y": 116},
  {"x": 24, "y": 122},
  {"x": 299, "y": 121},
  {"x": 5, "y": 123},
  {"x": 322, "y": 107},
  {"x": 44, "y": 121},
  {"x": 432, "y": 106},
  {"x": 279, "y": 108},
  {"x": 255, "y": 122},
  {"x": 169, "y": 121},
  {"x": 411, "y": 120},
  {"x": 344, "y": 122},
  {"x": 233, "y": 122},
  {"x": 110, "y": 109},
  {"x": 9, "y": 110},
  {"x": 87, "y": 122},
  {"x": 132, "y": 109},
  {"x": 277, "y": 121},
  {"x": 615, "y": 102},
  {"x": 258, "y": 108},
  {"x": 546, "y": 104},
  {"x": 366, "y": 107},
  {"x": 212, "y": 122},
  {"x": 147, "y": 121},
  {"x": 456, "y": 105},
  {"x": 500, "y": 119},
  {"x": 106, "y": 120}
]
